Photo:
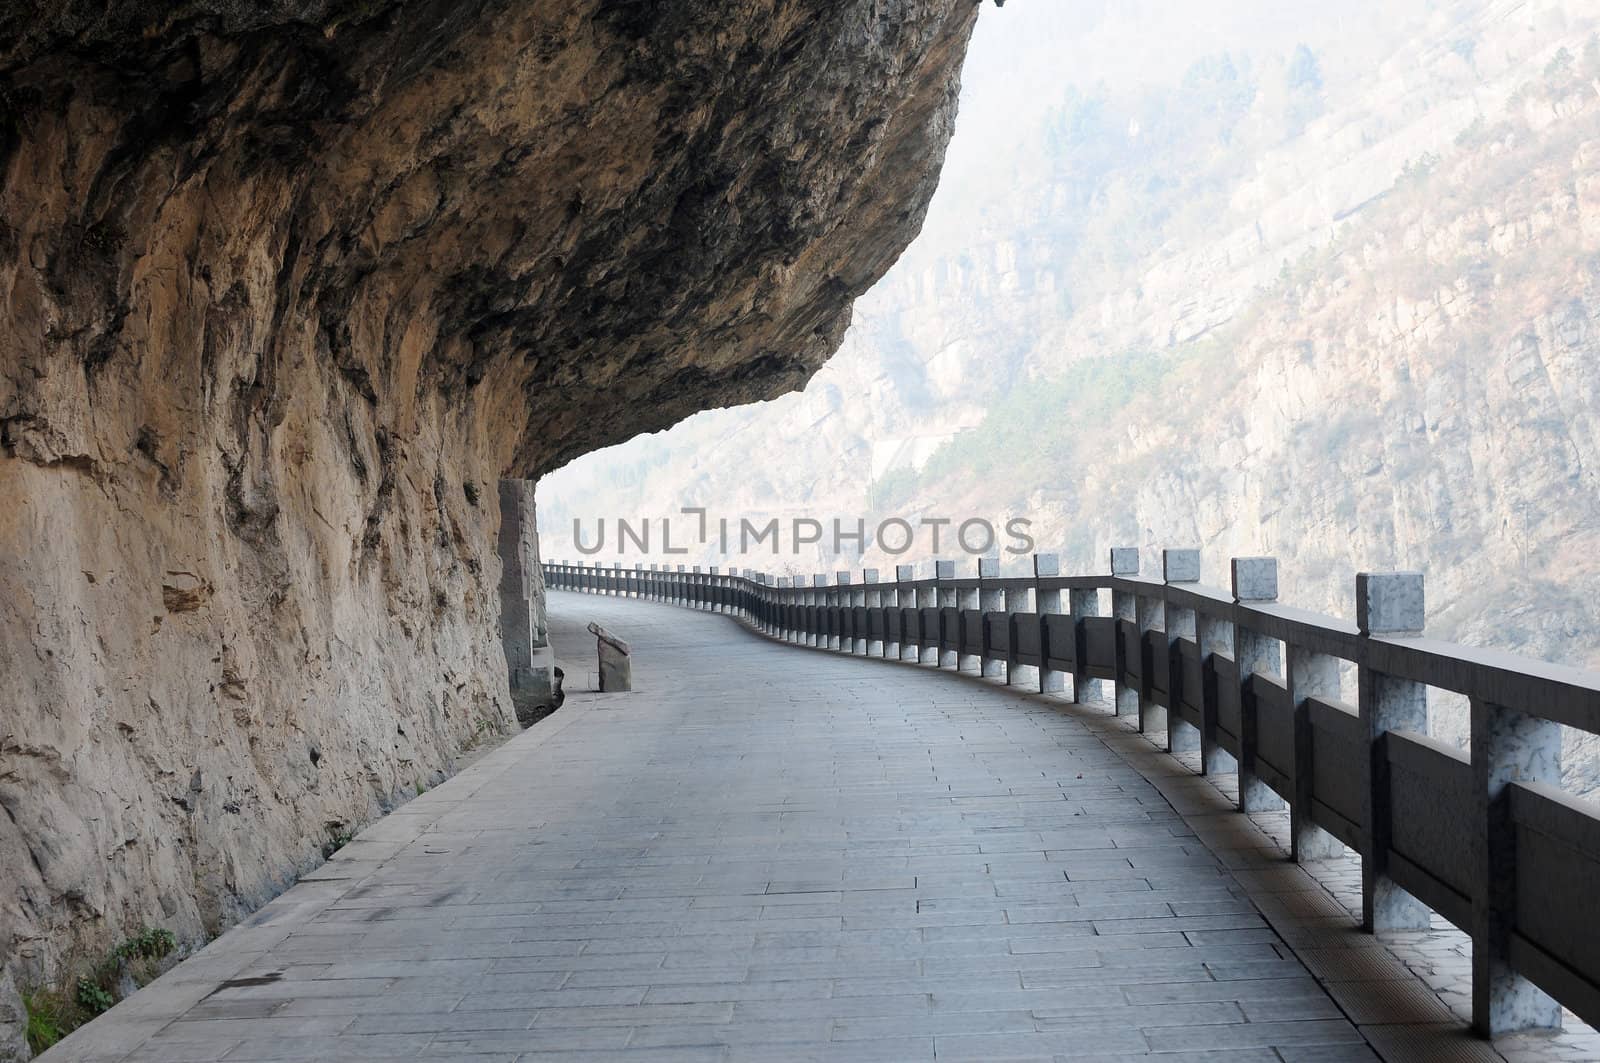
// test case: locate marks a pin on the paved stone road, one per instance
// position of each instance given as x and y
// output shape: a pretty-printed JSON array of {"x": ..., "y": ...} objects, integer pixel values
[{"x": 766, "y": 853}]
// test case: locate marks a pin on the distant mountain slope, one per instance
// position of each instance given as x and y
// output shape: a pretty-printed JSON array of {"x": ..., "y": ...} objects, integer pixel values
[{"x": 1333, "y": 303}]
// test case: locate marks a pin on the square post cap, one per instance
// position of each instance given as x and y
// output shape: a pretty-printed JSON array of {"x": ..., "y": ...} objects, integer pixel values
[
  {"x": 1124, "y": 560},
  {"x": 819, "y": 580},
  {"x": 988, "y": 568},
  {"x": 944, "y": 570},
  {"x": 1180, "y": 566},
  {"x": 869, "y": 575},
  {"x": 1255, "y": 579},
  {"x": 842, "y": 578},
  {"x": 1046, "y": 565},
  {"x": 1389, "y": 603},
  {"x": 904, "y": 573}
]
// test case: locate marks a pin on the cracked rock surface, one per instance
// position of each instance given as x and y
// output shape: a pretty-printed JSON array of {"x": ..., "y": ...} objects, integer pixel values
[{"x": 284, "y": 289}]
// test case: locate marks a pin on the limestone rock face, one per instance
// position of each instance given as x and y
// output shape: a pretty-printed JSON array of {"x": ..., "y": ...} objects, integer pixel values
[{"x": 285, "y": 289}]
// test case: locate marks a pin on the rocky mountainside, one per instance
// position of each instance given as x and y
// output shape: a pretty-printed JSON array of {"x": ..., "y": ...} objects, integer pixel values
[
  {"x": 1341, "y": 308},
  {"x": 285, "y": 290}
]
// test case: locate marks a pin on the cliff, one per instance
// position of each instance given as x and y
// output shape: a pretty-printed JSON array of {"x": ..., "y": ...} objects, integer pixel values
[
  {"x": 285, "y": 290},
  {"x": 1347, "y": 318}
]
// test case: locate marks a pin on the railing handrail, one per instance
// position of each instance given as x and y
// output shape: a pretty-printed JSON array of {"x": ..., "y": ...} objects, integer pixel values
[
  {"x": 1561, "y": 693},
  {"x": 1254, "y": 686}
]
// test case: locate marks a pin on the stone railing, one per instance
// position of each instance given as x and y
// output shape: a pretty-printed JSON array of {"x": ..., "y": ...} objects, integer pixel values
[{"x": 1484, "y": 837}]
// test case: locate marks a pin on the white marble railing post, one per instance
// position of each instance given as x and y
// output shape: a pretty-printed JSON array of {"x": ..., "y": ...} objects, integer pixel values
[
  {"x": 1179, "y": 567},
  {"x": 1047, "y": 566},
  {"x": 1387, "y": 605}
]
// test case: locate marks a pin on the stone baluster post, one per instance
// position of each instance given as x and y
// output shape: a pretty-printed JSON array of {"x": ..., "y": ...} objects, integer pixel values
[
  {"x": 1125, "y": 606},
  {"x": 1179, "y": 567},
  {"x": 819, "y": 598},
  {"x": 1507, "y": 746},
  {"x": 871, "y": 597},
  {"x": 1151, "y": 611},
  {"x": 797, "y": 598},
  {"x": 1047, "y": 600},
  {"x": 1214, "y": 629},
  {"x": 1017, "y": 600},
  {"x": 947, "y": 598},
  {"x": 1255, "y": 581},
  {"x": 990, "y": 599},
  {"x": 1083, "y": 604},
  {"x": 841, "y": 598},
  {"x": 1310, "y": 675},
  {"x": 1387, "y": 605},
  {"x": 905, "y": 598}
]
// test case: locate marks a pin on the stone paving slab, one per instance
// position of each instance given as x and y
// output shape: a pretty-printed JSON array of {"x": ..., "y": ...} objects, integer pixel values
[{"x": 763, "y": 853}]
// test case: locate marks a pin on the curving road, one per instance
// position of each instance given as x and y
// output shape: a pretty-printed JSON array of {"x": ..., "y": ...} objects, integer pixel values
[{"x": 766, "y": 853}]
